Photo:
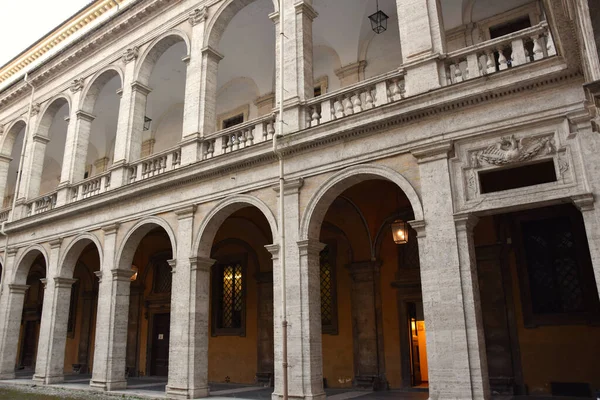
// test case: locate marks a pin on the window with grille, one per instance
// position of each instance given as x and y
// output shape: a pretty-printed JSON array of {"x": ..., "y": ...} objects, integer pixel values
[
  {"x": 555, "y": 270},
  {"x": 163, "y": 277},
  {"x": 328, "y": 285},
  {"x": 229, "y": 298}
]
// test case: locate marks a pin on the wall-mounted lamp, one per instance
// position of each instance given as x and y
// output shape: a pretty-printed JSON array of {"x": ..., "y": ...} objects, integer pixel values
[
  {"x": 400, "y": 231},
  {"x": 147, "y": 123},
  {"x": 135, "y": 273},
  {"x": 378, "y": 20}
]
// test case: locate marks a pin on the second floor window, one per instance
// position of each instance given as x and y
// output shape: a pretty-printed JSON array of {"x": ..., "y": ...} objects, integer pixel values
[
  {"x": 236, "y": 120},
  {"x": 229, "y": 299},
  {"x": 328, "y": 290}
]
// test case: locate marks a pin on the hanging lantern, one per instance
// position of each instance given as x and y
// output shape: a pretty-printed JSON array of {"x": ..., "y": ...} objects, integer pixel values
[
  {"x": 147, "y": 123},
  {"x": 379, "y": 21},
  {"x": 400, "y": 231}
]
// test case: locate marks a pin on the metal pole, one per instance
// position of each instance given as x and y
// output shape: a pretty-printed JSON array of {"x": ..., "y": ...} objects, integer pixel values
[{"x": 282, "y": 255}]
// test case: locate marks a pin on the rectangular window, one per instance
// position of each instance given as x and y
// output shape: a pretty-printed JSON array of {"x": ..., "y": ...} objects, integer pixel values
[
  {"x": 328, "y": 285},
  {"x": 497, "y": 180},
  {"x": 236, "y": 120},
  {"x": 557, "y": 281},
  {"x": 229, "y": 299}
]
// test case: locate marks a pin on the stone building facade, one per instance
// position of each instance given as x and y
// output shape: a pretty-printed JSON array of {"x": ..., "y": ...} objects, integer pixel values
[{"x": 141, "y": 234}]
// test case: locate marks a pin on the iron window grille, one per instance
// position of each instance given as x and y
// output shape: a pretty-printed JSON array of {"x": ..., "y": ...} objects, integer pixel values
[
  {"x": 328, "y": 284},
  {"x": 229, "y": 298}
]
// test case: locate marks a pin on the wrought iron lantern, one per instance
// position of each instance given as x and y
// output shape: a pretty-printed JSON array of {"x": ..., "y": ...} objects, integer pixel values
[
  {"x": 378, "y": 20},
  {"x": 147, "y": 123},
  {"x": 400, "y": 231}
]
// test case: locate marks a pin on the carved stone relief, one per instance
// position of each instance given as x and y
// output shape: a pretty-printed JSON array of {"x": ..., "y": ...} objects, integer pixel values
[
  {"x": 511, "y": 150},
  {"x": 131, "y": 54},
  {"x": 198, "y": 15},
  {"x": 76, "y": 85}
]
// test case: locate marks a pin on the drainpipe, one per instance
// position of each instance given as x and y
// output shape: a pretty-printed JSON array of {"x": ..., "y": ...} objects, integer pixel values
[{"x": 279, "y": 154}]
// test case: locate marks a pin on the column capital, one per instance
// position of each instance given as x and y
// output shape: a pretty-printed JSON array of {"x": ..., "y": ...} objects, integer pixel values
[
  {"x": 110, "y": 229},
  {"x": 419, "y": 227},
  {"x": 185, "y": 212},
  {"x": 584, "y": 202},
  {"x": 55, "y": 243},
  {"x": 274, "y": 16},
  {"x": 17, "y": 289},
  {"x": 121, "y": 274},
  {"x": 304, "y": 8},
  {"x": 309, "y": 246},
  {"x": 465, "y": 222},
  {"x": 44, "y": 282},
  {"x": 141, "y": 88},
  {"x": 11, "y": 252},
  {"x": 291, "y": 186},
  {"x": 85, "y": 116},
  {"x": 433, "y": 152},
  {"x": 274, "y": 250},
  {"x": 173, "y": 264},
  {"x": 5, "y": 158},
  {"x": 98, "y": 275},
  {"x": 40, "y": 139},
  {"x": 61, "y": 282},
  {"x": 212, "y": 53},
  {"x": 201, "y": 263}
]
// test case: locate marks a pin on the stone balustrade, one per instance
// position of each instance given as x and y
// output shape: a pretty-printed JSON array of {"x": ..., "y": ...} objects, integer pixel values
[
  {"x": 354, "y": 99},
  {"x": 41, "y": 204},
  {"x": 509, "y": 51},
  {"x": 239, "y": 137},
  {"x": 4, "y": 214},
  {"x": 155, "y": 164},
  {"x": 91, "y": 187}
]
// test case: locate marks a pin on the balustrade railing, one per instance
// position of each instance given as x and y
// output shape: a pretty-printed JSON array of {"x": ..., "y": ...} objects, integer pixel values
[
  {"x": 155, "y": 164},
  {"x": 239, "y": 137},
  {"x": 41, "y": 204},
  {"x": 356, "y": 98},
  {"x": 4, "y": 213},
  {"x": 91, "y": 187},
  {"x": 518, "y": 48}
]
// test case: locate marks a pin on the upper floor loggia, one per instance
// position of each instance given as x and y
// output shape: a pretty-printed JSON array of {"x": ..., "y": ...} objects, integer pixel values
[{"x": 204, "y": 84}]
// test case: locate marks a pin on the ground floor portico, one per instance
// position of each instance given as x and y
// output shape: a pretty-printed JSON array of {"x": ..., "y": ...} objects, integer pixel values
[{"x": 391, "y": 290}]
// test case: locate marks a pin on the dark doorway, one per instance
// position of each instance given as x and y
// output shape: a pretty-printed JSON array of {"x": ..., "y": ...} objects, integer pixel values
[
  {"x": 29, "y": 344},
  {"x": 159, "y": 364}
]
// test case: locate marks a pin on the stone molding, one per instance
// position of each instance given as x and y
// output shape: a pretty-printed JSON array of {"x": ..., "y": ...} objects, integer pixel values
[
  {"x": 433, "y": 152},
  {"x": 466, "y": 222},
  {"x": 203, "y": 264},
  {"x": 209, "y": 52},
  {"x": 98, "y": 275},
  {"x": 357, "y": 68},
  {"x": 4, "y": 158},
  {"x": 55, "y": 243},
  {"x": 110, "y": 229},
  {"x": 44, "y": 282},
  {"x": 11, "y": 251},
  {"x": 305, "y": 9},
  {"x": 141, "y": 88},
  {"x": 173, "y": 264},
  {"x": 291, "y": 186},
  {"x": 310, "y": 247},
  {"x": 274, "y": 250},
  {"x": 64, "y": 283},
  {"x": 419, "y": 227},
  {"x": 40, "y": 139},
  {"x": 17, "y": 289},
  {"x": 82, "y": 115},
  {"x": 131, "y": 54},
  {"x": 121, "y": 274},
  {"x": 77, "y": 85},
  {"x": 584, "y": 202}
]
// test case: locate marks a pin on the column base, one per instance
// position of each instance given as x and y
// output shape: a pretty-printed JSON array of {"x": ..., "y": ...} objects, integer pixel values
[
  {"x": 109, "y": 386},
  {"x": 48, "y": 380},
  {"x": 185, "y": 393}
]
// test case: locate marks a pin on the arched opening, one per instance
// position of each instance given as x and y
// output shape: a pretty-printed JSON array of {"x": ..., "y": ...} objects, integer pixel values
[
  {"x": 539, "y": 302},
  {"x": 52, "y": 136},
  {"x": 32, "y": 273},
  {"x": 148, "y": 327},
  {"x": 371, "y": 307},
  {"x": 245, "y": 85},
  {"x": 9, "y": 164},
  {"x": 240, "y": 348},
  {"x": 164, "y": 72},
  {"x": 102, "y": 102},
  {"x": 81, "y": 264},
  {"x": 350, "y": 52}
]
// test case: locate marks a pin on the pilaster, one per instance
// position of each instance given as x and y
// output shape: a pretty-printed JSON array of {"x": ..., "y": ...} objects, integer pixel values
[
  {"x": 449, "y": 285},
  {"x": 591, "y": 220},
  {"x": 208, "y": 91},
  {"x": 11, "y": 324}
]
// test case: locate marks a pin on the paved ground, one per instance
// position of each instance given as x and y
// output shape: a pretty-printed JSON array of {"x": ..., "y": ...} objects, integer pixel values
[{"x": 77, "y": 387}]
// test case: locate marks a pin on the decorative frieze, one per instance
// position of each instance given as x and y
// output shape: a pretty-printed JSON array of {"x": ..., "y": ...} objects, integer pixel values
[
  {"x": 511, "y": 150},
  {"x": 198, "y": 15}
]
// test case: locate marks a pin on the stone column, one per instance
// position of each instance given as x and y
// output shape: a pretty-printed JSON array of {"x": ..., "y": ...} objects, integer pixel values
[
  {"x": 53, "y": 332},
  {"x": 591, "y": 219},
  {"x": 193, "y": 87},
  {"x": 11, "y": 326},
  {"x": 181, "y": 385},
  {"x": 111, "y": 321},
  {"x": 265, "y": 346},
  {"x": 34, "y": 168},
  {"x": 298, "y": 60},
  {"x": 422, "y": 40},
  {"x": 369, "y": 363},
  {"x": 208, "y": 91},
  {"x": 29, "y": 156},
  {"x": 450, "y": 295},
  {"x": 132, "y": 108}
]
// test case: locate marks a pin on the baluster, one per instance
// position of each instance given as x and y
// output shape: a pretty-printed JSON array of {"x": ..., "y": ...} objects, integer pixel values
[
  {"x": 538, "y": 50},
  {"x": 243, "y": 138},
  {"x": 235, "y": 142},
  {"x": 473, "y": 66},
  {"x": 518, "y": 52},
  {"x": 339, "y": 108},
  {"x": 270, "y": 130},
  {"x": 357, "y": 102},
  {"x": 490, "y": 64},
  {"x": 368, "y": 99},
  {"x": 393, "y": 90},
  {"x": 458, "y": 78},
  {"x": 348, "y": 104},
  {"x": 250, "y": 136},
  {"x": 502, "y": 59},
  {"x": 550, "y": 48},
  {"x": 314, "y": 116}
]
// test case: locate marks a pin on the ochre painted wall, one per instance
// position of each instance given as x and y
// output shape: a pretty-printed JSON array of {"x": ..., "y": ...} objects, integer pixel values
[{"x": 561, "y": 353}]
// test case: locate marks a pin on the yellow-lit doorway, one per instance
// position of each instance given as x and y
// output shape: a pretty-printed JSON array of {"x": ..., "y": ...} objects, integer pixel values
[{"x": 418, "y": 348}]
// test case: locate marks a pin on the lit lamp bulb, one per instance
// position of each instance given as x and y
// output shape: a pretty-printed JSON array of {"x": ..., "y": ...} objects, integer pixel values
[{"x": 400, "y": 231}]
